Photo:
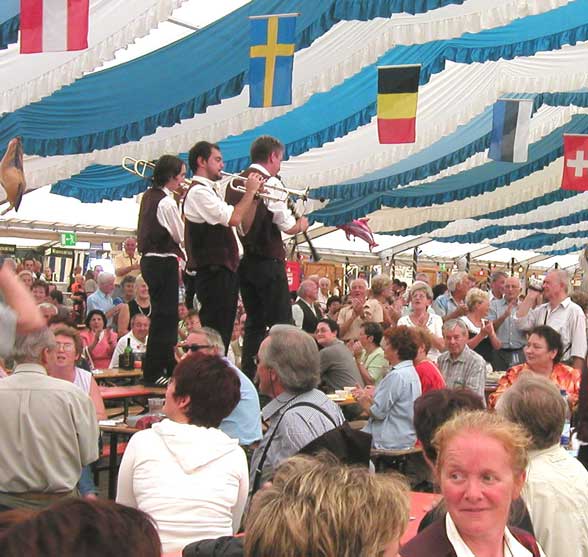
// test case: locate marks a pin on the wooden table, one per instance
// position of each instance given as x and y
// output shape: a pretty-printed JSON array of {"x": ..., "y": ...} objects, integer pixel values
[
  {"x": 109, "y": 375},
  {"x": 128, "y": 393},
  {"x": 420, "y": 504},
  {"x": 115, "y": 431}
]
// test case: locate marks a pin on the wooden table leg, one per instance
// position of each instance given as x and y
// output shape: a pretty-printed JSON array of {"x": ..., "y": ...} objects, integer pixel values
[{"x": 112, "y": 462}]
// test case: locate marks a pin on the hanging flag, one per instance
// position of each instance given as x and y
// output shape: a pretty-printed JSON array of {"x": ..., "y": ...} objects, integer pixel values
[
  {"x": 510, "y": 130},
  {"x": 273, "y": 39},
  {"x": 398, "y": 88},
  {"x": 53, "y": 25},
  {"x": 575, "y": 171}
]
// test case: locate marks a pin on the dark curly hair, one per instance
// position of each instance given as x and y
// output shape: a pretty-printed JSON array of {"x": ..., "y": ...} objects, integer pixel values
[{"x": 403, "y": 340}]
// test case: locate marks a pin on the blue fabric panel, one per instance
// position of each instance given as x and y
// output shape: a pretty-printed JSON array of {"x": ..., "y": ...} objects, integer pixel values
[
  {"x": 9, "y": 22},
  {"x": 287, "y": 30},
  {"x": 541, "y": 239},
  {"x": 282, "y": 92},
  {"x": 256, "y": 79},
  {"x": 86, "y": 115},
  {"x": 475, "y": 181}
]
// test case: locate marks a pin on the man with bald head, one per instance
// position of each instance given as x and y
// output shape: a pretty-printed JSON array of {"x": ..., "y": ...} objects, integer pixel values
[
  {"x": 128, "y": 262},
  {"x": 306, "y": 312},
  {"x": 502, "y": 313},
  {"x": 360, "y": 309},
  {"x": 559, "y": 313},
  {"x": 323, "y": 294}
]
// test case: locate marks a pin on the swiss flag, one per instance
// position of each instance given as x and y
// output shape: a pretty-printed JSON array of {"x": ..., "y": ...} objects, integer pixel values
[
  {"x": 53, "y": 25},
  {"x": 575, "y": 171}
]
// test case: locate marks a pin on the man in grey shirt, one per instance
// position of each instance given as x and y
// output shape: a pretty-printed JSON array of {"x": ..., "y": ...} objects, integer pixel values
[
  {"x": 49, "y": 425},
  {"x": 460, "y": 365},
  {"x": 337, "y": 364},
  {"x": 288, "y": 372}
]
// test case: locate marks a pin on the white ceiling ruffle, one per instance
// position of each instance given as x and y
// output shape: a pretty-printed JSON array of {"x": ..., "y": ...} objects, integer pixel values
[{"x": 344, "y": 50}]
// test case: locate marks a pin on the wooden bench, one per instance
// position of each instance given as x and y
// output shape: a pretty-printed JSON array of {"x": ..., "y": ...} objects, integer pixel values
[
  {"x": 126, "y": 394},
  {"x": 396, "y": 459}
]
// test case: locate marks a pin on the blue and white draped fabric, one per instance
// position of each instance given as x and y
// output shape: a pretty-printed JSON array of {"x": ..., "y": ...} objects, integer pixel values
[{"x": 9, "y": 22}]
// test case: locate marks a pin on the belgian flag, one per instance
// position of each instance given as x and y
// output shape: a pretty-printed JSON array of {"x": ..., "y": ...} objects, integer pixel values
[{"x": 398, "y": 88}]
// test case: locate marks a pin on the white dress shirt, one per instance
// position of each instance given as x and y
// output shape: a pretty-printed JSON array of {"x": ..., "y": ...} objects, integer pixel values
[
  {"x": 205, "y": 204},
  {"x": 168, "y": 216}
]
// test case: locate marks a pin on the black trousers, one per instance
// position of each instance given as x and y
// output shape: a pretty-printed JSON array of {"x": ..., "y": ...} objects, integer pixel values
[
  {"x": 264, "y": 290},
  {"x": 190, "y": 286},
  {"x": 161, "y": 276},
  {"x": 217, "y": 289}
]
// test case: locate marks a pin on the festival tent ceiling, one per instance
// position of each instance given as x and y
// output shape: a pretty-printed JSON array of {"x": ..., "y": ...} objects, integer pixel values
[{"x": 443, "y": 186}]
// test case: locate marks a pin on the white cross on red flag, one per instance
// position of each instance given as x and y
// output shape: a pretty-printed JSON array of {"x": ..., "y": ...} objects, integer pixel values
[
  {"x": 575, "y": 171},
  {"x": 53, "y": 25}
]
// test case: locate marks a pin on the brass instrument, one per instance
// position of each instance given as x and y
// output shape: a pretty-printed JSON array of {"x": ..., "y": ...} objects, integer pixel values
[{"x": 280, "y": 193}]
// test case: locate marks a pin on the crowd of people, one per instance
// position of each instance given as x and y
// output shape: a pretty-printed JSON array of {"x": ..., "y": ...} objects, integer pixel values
[{"x": 253, "y": 378}]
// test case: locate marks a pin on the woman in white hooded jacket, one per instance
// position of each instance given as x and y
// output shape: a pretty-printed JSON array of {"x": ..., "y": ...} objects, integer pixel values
[{"x": 184, "y": 472}]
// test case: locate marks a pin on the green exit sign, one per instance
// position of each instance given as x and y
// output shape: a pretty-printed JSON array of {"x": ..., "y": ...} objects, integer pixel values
[{"x": 69, "y": 239}]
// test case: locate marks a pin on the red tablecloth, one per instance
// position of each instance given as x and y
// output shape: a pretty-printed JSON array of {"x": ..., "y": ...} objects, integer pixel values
[
  {"x": 111, "y": 393},
  {"x": 420, "y": 504}
]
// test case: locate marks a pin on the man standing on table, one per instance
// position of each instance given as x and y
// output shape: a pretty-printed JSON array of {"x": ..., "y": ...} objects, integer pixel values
[
  {"x": 262, "y": 272},
  {"x": 210, "y": 242}
]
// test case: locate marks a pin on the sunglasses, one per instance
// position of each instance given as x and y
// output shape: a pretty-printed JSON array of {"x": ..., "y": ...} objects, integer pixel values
[{"x": 195, "y": 347}]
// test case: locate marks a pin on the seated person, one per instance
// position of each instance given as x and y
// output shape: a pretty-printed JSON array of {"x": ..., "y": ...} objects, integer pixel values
[
  {"x": 390, "y": 405},
  {"x": 556, "y": 486},
  {"x": 137, "y": 337},
  {"x": 139, "y": 304},
  {"x": 40, "y": 291},
  {"x": 79, "y": 527},
  {"x": 429, "y": 373},
  {"x": 320, "y": 508},
  {"x": 288, "y": 372},
  {"x": 99, "y": 342},
  {"x": 189, "y": 476},
  {"x": 369, "y": 355},
  {"x": 337, "y": 364},
  {"x": 244, "y": 422},
  {"x": 480, "y": 467},
  {"x": 543, "y": 353}
]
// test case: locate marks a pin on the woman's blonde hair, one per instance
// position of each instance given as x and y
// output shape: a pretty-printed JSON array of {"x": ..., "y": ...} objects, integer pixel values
[
  {"x": 513, "y": 437},
  {"x": 420, "y": 286},
  {"x": 317, "y": 506},
  {"x": 475, "y": 296},
  {"x": 379, "y": 284}
]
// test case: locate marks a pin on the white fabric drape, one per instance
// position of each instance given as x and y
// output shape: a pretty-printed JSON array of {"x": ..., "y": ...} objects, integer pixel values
[
  {"x": 113, "y": 25},
  {"x": 341, "y": 52},
  {"x": 530, "y": 187},
  {"x": 451, "y": 98}
]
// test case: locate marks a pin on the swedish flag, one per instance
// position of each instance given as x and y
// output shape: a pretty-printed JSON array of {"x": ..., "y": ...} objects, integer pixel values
[{"x": 271, "y": 60}]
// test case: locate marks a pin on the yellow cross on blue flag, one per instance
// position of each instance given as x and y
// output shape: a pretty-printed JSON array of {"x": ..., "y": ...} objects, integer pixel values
[{"x": 273, "y": 39}]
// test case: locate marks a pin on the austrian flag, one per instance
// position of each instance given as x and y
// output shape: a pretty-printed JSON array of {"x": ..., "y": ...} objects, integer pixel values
[
  {"x": 53, "y": 25},
  {"x": 575, "y": 171}
]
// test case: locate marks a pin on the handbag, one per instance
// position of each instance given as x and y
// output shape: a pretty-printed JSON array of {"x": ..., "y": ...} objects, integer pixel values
[{"x": 350, "y": 446}]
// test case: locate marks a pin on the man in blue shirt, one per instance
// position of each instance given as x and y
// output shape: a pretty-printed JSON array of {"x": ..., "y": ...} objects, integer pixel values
[
  {"x": 244, "y": 422},
  {"x": 102, "y": 298}
]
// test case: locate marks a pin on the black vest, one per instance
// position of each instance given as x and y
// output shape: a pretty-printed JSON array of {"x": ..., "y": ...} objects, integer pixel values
[
  {"x": 263, "y": 239},
  {"x": 208, "y": 244},
  {"x": 151, "y": 236},
  {"x": 310, "y": 319}
]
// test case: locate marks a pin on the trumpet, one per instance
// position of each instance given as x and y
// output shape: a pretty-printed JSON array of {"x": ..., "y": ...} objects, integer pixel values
[{"x": 276, "y": 193}]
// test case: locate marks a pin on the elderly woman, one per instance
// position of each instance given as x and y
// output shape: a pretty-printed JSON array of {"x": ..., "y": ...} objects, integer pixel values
[
  {"x": 189, "y": 476},
  {"x": 481, "y": 470},
  {"x": 390, "y": 405},
  {"x": 99, "y": 342},
  {"x": 556, "y": 487},
  {"x": 483, "y": 339},
  {"x": 382, "y": 312},
  {"x": 543, "y": 352},
  {"x": 420, "y": 297},
  {"x": 321, "y": 508},
  {"x": 141, "y": 303}
]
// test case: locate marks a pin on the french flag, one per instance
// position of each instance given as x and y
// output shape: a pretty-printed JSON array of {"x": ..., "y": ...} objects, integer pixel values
[
  {"x": 511, "y": 120},
  {"x": 53, "y": 25}
]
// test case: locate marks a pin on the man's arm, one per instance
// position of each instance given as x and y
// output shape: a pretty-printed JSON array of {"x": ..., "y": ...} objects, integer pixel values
[
  {"x": 19, "y": 298},
  {"x": 578, "y": 338},
  {"x": 475, "y": 379}
]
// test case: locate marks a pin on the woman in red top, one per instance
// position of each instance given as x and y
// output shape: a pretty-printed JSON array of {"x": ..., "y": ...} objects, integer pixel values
[{"x": 428, "y": 371}]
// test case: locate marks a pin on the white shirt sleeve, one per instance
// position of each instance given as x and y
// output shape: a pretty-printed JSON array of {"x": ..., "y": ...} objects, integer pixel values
[
  {"x": 283, "y": 217},
  {"x": 124, "y": 490},
  {"x": 239, "y": 507},
  {"x": 120, "y": 346},
  {"x": 297, "y": 315},
  {"x": 203, "y": 206},
  {"x": 168, "y": 215}
]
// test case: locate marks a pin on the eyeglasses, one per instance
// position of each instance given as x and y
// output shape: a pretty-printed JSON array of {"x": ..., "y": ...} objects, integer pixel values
[
  {"x": 195, "y": 347},
  {"x": 66, "y": 347}
]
